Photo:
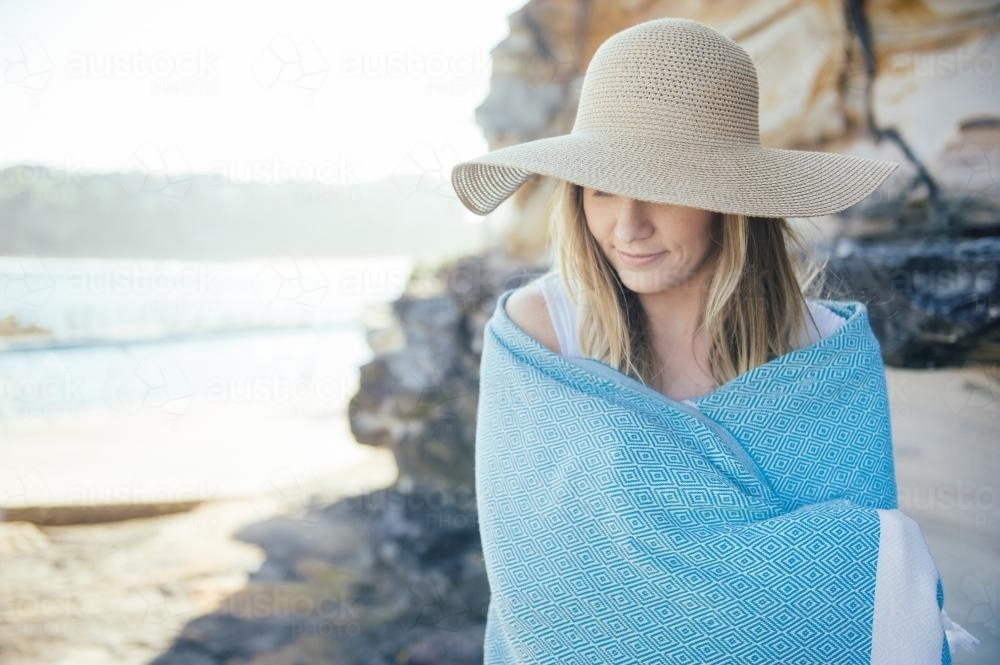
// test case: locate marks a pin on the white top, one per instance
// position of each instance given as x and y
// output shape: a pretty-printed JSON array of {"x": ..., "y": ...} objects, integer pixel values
[{"x": 562, "y": 311}]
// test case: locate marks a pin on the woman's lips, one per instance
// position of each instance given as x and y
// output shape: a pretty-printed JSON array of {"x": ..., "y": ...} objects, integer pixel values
[{"x": 638, "y": 260}]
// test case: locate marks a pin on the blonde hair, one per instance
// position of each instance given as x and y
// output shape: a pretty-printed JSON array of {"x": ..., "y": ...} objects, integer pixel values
[{"x": 756, "y": 299}]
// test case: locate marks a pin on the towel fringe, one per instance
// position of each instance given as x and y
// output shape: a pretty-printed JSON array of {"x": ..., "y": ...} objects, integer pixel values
[{"x": 958, "y": 636}]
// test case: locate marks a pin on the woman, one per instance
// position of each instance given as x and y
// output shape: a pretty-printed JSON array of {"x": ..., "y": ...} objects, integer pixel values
[
  {"x": 650, "y": 268},
  {"x": 693, "y": 464}
]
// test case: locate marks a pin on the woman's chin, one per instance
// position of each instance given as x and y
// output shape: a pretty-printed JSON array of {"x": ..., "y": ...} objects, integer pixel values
[{"x": 642, "y": 281}]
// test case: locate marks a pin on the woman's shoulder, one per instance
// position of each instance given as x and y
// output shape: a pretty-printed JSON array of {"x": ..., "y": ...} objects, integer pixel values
[{"x": 529, "y": 311}]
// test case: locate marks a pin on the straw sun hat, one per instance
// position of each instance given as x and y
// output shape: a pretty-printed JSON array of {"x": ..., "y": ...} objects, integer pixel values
[{"x": 668, "y": 114}]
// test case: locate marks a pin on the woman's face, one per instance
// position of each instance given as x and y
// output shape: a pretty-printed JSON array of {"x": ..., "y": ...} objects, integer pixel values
[{"x": 678, "y": 237}]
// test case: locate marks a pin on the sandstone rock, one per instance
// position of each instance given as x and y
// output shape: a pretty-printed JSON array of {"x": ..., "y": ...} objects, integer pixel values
[{"x": 854, "y": 78}]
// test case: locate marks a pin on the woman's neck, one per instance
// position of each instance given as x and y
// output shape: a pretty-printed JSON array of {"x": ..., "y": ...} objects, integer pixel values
[
  {"x": 676, "y": 315},
  {"x": 678, "y": 341}
]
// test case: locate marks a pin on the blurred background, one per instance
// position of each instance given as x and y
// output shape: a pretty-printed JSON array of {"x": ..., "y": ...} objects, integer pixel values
[{"x": 241, "y": 307}]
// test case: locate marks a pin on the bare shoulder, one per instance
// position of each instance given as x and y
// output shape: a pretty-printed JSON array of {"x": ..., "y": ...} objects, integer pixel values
[{"x": 527, "y": 309}]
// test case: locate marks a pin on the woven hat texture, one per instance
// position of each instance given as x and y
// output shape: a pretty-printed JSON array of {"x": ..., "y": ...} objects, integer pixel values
[{"x": 668, "y": 113}]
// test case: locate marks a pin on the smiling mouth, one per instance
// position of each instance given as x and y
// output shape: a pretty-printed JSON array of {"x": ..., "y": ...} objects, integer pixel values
[
  {"x": 638, "y": 256},
  {"x": 637, "y": 260}
]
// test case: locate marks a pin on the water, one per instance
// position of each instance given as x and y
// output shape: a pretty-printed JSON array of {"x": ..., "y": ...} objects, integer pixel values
[
  {"x": 138, "y": 335},
  {"x": 102, "y": 299}
]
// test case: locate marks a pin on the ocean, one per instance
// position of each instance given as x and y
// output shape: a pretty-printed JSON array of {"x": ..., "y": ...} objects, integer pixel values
[{"x": 129, "y": 335}]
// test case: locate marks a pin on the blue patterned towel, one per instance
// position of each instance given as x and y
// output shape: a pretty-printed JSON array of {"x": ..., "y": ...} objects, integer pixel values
[{"x": 757, "y": 525}]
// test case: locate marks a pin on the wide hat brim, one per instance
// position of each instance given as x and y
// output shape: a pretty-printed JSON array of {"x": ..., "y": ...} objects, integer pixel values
[{"x": 747, "y": 179}]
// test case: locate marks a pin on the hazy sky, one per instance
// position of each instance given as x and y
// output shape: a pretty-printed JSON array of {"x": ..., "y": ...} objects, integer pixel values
[{"x": 350, "y": 91}]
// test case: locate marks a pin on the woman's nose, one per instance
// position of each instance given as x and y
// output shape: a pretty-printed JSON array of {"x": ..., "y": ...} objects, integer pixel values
[{"x": 632, "y": 223}]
